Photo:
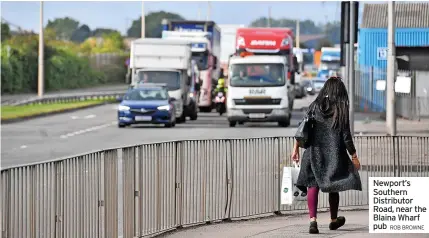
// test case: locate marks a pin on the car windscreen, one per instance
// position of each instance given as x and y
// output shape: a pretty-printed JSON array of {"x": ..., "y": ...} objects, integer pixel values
[
  {"x": 147, "y": 94},
  {"x": 170, "y": 78},
  {"x": 257, "y": 75}
]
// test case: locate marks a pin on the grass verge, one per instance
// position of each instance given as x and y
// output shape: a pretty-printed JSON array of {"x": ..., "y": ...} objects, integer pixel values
[{"x": 33, "y": 110}]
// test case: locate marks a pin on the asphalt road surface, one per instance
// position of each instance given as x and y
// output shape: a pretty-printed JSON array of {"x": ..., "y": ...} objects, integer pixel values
[{"x": 94, "y": 129}]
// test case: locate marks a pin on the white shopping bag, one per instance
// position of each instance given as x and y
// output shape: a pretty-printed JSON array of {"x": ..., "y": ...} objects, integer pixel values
[{"x": 290, "y": 194}]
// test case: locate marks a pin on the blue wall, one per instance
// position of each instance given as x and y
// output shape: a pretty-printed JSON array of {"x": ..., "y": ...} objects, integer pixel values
[
  {"x": 373, "y": 43},
  {"x": 372, "y": 58}
]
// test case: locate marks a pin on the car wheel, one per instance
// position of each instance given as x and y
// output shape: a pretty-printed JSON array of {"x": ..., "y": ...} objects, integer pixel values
[
  {"x": 241, "y": 123},
  {"x": 121, "y": 125},
  {"x": 232, "y": 123},
  {"x": 284, "y": 123},
  {"x": 168, "y": 125}
]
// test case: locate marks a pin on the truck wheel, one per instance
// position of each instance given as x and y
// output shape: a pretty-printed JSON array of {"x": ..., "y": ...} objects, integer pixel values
[
  {"x": 194, "y": 115},
  {"x": 182, "y": 118},
  {"x": 284, "y": 123},
  {"x": 232, "y": 123}
]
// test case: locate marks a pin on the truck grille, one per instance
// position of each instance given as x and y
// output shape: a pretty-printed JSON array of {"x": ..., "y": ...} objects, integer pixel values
[
  {"x": 265, "y": 111},
  {"x": 258, "y": 101}
]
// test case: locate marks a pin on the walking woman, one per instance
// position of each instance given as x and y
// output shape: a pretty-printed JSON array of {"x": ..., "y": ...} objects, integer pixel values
[{"x": 325, "y": 164}]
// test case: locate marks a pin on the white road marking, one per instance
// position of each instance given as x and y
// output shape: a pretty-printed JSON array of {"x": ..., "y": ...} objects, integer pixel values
[
  {"x": 94, "y": 128},
  {"x": 23, "y": 146},
  {"x": 90, "y": 116},
  {"x": 74, "y": 117}
]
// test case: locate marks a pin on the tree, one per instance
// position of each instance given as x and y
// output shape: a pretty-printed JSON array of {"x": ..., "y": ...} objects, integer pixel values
[
  {"x": 5, "y": 31},
  {"x": 81, "y": 34},
  {"x": 153, "y": 28},
  {"x": 64, "y": 27},
  {"x": 99, "y": 32},
  {"x": 306, "y": 27},
  {"x": 333, "y": 32},
  {"x": 324, "y": 43}
]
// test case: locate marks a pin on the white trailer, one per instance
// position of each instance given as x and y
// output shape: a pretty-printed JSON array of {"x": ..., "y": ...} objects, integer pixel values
[{"x": 166, "y": 61}]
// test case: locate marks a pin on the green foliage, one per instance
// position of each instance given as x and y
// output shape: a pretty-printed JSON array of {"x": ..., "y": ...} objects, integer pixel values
[
  {"x": 64, "y": 27},
  {"x": 5, "y": 31},
  {"x": 153, "y": 27},
  {"x": 63, "y": 67},
  {"x": 307, "y": 27}
]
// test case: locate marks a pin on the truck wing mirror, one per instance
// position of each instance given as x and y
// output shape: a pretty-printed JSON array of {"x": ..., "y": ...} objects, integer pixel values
[
  {"x": 188, "y": 80},
  {"x": 170, "y": 100},
  {"x": 197, "y": 86},
  {"x": 292, "y": 77}
]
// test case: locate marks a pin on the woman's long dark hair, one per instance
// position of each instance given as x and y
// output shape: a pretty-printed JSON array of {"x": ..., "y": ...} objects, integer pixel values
[{"x": 334, "y": 95}]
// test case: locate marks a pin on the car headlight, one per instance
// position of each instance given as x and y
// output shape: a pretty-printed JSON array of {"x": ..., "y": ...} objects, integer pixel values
[
  {"x": 164, "y": 108},
  {"x": 123, "y": 108}
]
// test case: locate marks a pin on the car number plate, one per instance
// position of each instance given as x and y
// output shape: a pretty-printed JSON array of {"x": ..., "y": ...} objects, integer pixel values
[
  {"x": 143, "y": 118},
  {"x": 256, "y": 115}
]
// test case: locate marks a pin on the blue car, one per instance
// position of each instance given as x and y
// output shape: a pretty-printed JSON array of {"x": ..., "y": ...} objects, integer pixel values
[{"x": 146, "y": 105}]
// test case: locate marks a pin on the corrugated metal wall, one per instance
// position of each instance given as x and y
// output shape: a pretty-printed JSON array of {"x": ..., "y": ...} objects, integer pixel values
[
  {"x": 373, "y": 43},
  {"x": 372, "y": 60}
]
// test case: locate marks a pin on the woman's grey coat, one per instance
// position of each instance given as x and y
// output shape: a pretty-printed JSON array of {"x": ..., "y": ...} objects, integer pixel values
[{"x": 326, "y": 163}]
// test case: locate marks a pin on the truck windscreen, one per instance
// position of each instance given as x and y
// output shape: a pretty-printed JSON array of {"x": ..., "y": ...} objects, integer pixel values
[
  {"x": 170, "y": 78},
  {"x": 330, "y": 65},
  {"x": 201, "y": 59},
  {"x": 257, "y": 75}
]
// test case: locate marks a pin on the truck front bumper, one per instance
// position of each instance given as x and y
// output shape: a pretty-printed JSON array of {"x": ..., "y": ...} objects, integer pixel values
[{"x": 258, "y": 115}]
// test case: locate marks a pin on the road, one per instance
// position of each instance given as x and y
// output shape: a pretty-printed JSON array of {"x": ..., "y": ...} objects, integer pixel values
[{"x": 93, "y": 129}]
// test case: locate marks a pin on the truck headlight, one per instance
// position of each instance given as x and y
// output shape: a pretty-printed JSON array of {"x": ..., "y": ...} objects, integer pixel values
[
  {"x": 123, "y": 108},
  {"x": 164, "y": 108},
  {"x": 285, "y": 41}
]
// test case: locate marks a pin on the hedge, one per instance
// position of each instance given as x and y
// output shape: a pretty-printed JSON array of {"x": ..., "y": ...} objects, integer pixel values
[{"x": 64, "y": 69}]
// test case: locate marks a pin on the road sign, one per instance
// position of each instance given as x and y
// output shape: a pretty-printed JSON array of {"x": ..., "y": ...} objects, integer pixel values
[{"x": 382, "y": 53}]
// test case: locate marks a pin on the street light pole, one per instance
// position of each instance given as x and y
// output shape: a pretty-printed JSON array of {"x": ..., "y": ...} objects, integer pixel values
[
  {"x": 41, "y": 75},
  {"x": 297, "y": 34},
  {"x": 143, "y": 22},
  {"x": 391, "y": 74},
  {"x": 209, "y": 9},
  {"x": 352, "y": 67}
]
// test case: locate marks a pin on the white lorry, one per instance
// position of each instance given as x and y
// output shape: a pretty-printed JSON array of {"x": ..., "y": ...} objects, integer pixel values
[
  {"x": 258, "y": 90},
  {"x": 166, "y": 61}
]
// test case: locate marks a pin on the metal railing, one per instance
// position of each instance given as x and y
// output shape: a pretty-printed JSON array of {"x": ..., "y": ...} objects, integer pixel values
[
  {"x": 148, "y": 189},
  {"x": 370, "y": 93}
]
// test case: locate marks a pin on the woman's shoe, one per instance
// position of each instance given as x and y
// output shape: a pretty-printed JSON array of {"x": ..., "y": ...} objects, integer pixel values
[
  {"x": 338, "y": 223},
  {"x": 313, "y": 228}
]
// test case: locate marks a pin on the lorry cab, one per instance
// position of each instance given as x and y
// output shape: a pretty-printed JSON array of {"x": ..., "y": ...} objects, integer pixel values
[
  {"x": 205, "y": 37},
  {"x": 167, "y": 62},
  {"x": 258, "y": 90},
  {"x": 329, "y": 62}
]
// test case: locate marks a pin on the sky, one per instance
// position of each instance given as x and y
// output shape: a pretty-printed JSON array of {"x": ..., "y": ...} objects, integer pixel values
[{"x": 119, "y": 15}]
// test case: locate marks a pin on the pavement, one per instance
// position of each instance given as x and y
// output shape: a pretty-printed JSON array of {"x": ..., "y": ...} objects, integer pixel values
[{"x": 294, "y": 226}]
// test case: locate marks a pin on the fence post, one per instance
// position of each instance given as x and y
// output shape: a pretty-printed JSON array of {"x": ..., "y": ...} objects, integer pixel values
[
  {"x": 229, "y": 173},
  {"x": 396, "y": 157},
  {"x": 137, "y": 193},
  {"x": 178, "y": 192},
  {"x": 279, "y": 177},
  {"x": 371, "y": 88}
]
